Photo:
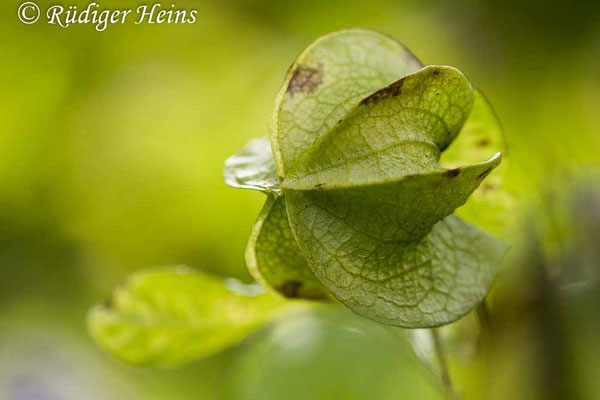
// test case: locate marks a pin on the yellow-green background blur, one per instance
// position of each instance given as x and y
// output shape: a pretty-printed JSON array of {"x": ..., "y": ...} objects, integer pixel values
[{"x": 111, "y": 152}]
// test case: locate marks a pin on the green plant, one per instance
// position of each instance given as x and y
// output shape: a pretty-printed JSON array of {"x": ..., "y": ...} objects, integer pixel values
[
  {"x": 356, "y": 192},
  {"x": 362, "y": 179}
]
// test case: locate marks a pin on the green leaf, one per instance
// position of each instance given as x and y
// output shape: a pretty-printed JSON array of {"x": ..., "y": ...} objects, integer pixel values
[
  {"x": 381, "y": 275},
  {"x": 371, "y": 245},
  {"x": 170, "y": 316},
  {"x": 403, "y": 209},
  {"x": 274, "y": 258},
  {"x": 326, "y": 80},
  {"x": 252, "y": 168}
]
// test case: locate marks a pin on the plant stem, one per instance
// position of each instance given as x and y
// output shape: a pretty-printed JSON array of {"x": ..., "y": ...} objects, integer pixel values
[{"x": 441, "y": 358}]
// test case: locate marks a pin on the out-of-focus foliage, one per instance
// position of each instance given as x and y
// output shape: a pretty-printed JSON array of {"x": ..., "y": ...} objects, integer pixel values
[
  {"x": 111, "y": 152},
  {"x": 298, "y": 355},
  {"x": 170, "y": 316}
]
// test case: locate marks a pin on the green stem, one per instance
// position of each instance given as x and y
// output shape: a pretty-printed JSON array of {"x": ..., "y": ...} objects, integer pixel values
[{"x": 441, "y": 358}]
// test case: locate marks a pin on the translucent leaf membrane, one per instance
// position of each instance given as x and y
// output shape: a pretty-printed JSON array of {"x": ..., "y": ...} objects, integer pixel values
[{"x": 252, "y": 168}]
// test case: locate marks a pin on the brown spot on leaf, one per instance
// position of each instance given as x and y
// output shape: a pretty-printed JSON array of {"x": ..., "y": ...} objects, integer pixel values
[
  {"x": 319, "y": 185},
  {"x": 297, "y": 290},
  {"x": 290, "y": 289},
  {"x": 392, "y": 90},
  {"x": 305, "y": 80},
  {"x": 483, "y": 142},
  {"x": 453, "y": 173},
  {"x": 436, "y": 72}
]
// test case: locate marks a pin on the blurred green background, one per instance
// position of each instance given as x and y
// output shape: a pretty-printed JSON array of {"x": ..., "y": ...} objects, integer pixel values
[{"x": 111, "y": 151}]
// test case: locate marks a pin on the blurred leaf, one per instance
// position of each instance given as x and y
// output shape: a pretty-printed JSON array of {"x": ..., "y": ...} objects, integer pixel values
[
  {"x": 253, "y": 168},
  {"x": 322, "y": 355},
  {"x": 328, "y": 79},
  {"x": 170, "y": 316},
  {"x": 274, "y": 258}
]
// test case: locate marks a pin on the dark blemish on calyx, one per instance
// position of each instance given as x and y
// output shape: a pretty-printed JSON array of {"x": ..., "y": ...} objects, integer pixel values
[
  {"x": 483, "y": 142},
  {"x": 392, "y": 90},
  {"x": 453, "y": 173},
  {"x": 305, "y": 80},
  {"x": 436, "y": 72},
  {"x": 290, "y": 289}
]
